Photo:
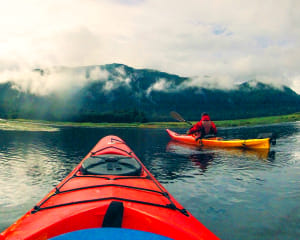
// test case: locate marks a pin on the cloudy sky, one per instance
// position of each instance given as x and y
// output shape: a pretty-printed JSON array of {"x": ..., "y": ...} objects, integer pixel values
[{"x": 230, "y": 40}]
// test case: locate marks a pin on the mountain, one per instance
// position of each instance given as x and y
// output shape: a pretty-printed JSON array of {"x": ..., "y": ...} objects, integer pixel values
[{"x": 125, "y": 94}]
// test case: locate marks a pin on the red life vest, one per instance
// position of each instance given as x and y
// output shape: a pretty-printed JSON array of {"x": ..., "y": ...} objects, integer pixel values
[
  {"x": 207, "y": 128},
  {"x": 204, "y": 127}
]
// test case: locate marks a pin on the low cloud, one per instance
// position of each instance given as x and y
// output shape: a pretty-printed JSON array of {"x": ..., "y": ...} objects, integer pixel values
[
  {"x": 118, "y": 79},
  {"x": 295, "y": 83},
  {"x": 228, "y": 41},
  {"x": 160, "y": 85},
  {"x": 215, "y": 82},
  {"x": 51, "y": 80}
]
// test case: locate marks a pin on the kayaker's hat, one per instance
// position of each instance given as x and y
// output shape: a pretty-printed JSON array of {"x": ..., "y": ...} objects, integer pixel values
[{"x": 205, "y": 117}]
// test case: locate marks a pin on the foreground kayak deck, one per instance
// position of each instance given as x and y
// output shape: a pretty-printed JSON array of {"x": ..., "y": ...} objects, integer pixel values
[
  {"x": 263, "y": 143},
  {"x": 109, "y": 188}
]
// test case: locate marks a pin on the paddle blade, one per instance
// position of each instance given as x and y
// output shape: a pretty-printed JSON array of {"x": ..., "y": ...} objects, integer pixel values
[{"x": 177, "y": 116}]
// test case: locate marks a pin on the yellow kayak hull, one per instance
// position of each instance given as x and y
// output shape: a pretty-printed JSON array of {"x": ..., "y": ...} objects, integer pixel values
[{"x": 263, "y": 143}]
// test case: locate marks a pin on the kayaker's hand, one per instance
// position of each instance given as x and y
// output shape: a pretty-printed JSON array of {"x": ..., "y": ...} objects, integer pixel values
[{"x": 187, "y": 132}]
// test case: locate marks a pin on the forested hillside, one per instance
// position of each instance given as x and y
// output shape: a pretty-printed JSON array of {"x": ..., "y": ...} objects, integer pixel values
[{"x": 139, "y": 95}]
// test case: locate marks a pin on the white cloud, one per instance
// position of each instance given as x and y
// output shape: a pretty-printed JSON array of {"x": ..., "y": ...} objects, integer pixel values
[
  {"x": 53, "y": 80},
  {"x": 160, "y": 85},
  {"x": 295, "y": 83},
  {"x": 228, "y": 40},
  {"x": 215, "y": 81},
  {"x": 118, "y": 79}
]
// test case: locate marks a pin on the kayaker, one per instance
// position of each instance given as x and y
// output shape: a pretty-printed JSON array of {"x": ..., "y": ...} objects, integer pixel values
[{"x": 204, "y": 127}]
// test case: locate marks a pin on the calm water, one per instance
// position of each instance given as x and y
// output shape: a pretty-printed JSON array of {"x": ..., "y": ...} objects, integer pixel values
[{"x": 237, "y": 194}]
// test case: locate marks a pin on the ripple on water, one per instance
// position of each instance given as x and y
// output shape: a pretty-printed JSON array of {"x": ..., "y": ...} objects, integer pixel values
[
  {"x": 11, "y": 125},
  {"x": 237, "y": 194}
]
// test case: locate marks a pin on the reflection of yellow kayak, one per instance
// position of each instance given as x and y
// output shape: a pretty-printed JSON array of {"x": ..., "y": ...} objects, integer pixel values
[
  {"x": 263, "y": 143},
  {"x": 260, "y": 153}
]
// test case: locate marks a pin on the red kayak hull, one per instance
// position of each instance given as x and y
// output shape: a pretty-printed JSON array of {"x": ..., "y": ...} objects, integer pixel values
[{"x": 82, "y": 201}]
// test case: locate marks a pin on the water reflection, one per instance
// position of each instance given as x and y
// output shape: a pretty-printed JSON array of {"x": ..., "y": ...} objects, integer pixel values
[
  {"x": 32, "y": 163},
  {"x": 228, "y": 190},
  {"x": 197, "y": 155},
  {"x": 206, "y": 154},
  {"x": 202, "y": 160}
]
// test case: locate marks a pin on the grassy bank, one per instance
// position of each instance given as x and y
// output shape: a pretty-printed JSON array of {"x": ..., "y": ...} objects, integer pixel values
[
  {"x": 260, "y": 121},
  {"x": 35, "y": 125}
]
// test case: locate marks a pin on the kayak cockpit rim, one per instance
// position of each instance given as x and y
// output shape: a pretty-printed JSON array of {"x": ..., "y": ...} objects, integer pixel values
[{"x": 148, "y": 176}]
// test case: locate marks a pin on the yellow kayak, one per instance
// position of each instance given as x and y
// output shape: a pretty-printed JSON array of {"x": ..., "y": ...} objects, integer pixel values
[{"x": 263, "y": 143}]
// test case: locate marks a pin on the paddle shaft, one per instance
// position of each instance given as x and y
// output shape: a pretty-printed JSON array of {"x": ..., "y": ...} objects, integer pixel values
[{"x": 178, "y": 117}]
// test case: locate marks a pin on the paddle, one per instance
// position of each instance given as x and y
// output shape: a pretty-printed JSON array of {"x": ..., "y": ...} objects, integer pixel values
[{"x": 178, "y": 117}]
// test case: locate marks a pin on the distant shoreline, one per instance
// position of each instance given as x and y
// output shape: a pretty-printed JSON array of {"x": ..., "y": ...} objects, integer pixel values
[{"x": 39, "y": 125}]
